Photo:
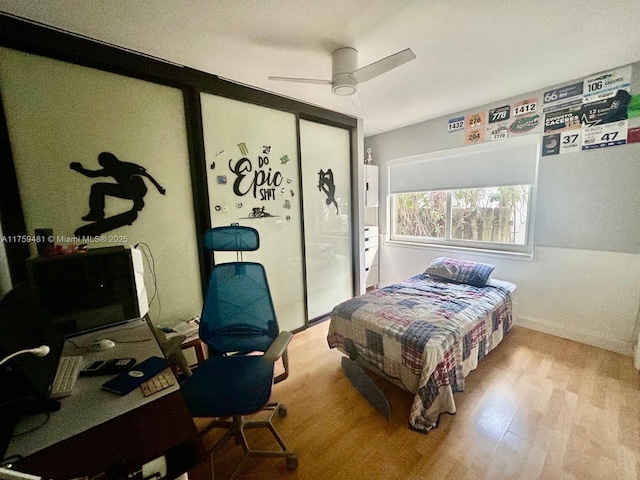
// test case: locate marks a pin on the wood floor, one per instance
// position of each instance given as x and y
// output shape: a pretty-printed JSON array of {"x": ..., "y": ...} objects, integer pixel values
[{"x": 537, "y": 407}]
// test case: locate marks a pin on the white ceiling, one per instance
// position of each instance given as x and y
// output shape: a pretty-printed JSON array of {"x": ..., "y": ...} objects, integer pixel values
[{"x": 470, "y": 52}]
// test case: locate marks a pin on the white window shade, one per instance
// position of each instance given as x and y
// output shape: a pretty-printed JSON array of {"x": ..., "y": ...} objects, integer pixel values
[{"x": 507, "y": 162}]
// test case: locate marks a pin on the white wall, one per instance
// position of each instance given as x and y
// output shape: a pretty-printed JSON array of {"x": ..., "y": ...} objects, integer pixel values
[
  {"x": 584, "y": 295},
  {"x": 583, "y": 282}
]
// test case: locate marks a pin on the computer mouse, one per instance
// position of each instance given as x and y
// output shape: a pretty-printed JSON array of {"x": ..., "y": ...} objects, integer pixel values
[{"x": 104, "y": 344}]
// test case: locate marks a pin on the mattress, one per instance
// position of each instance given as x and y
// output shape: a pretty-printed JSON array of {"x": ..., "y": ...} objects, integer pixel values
[{"x": 426, "y": 334}]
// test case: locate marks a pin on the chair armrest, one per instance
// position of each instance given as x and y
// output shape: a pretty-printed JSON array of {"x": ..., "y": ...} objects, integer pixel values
[{"x": 278, "y": 347}]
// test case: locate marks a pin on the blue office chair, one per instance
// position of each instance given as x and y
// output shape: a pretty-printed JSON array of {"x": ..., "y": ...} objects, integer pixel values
[{"x": 238, "y": 318}]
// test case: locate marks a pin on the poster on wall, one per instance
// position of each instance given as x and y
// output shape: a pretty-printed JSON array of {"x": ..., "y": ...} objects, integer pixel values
[
  {"x": 474, "y": 120},
  {"x": 525, "y": 107},
  {"x": 605, "y": 135},
  {"x": 495, "y": 132},
  {"x": 524, "y": 124},
  {"x": 473, "y": 128},
  {"x": 455, "y": 124},
  {"x": 563, "y": 97},
  {"x": 606, "y": 84},
  {"x": 563, "y": 119},
  {"x": 561, "y": 143},
  {"x": 499, "y": 114},
  {"x": 474, "y": 135},
  {"x": 612, "y": 109}
]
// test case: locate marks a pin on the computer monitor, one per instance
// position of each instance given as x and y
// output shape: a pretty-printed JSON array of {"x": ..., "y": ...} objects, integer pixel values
[
  {"x": 25, "y": 380},
  {"x": 88, "y": 291}
]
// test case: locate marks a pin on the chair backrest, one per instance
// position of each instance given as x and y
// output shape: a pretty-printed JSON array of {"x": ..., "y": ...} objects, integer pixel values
[
  {"x": 234, "y": 238},
  {"x": 238, "y": 313}
]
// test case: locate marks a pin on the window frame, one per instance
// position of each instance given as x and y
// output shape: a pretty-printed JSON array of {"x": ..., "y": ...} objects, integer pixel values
[{"x": 501, "y": 247}]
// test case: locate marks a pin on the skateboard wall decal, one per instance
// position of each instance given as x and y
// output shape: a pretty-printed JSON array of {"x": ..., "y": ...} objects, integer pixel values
[{"x": 129, "y": 184}]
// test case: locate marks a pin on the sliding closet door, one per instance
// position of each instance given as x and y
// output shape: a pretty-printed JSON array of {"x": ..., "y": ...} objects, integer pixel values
[
  {"x": 254, "y": 180},
  {"x": 326, "y": 183}
]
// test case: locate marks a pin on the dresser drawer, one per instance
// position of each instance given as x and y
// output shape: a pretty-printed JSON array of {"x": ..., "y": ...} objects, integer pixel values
[
  {"x": 370, "y": 256},
  {"x": 371, "y": 241},
  {"x": 371, "y": 276}
]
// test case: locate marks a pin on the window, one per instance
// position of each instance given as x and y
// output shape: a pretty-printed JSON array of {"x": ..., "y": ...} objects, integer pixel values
[
  {"x": 474, "y": 217},
  {"x": 476, "y": 197}
]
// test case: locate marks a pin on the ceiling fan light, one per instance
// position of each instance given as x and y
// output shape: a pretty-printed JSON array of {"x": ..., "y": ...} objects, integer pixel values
[
  {"x": 344, "y": 90},
  {"x": 344, "y": 85}
]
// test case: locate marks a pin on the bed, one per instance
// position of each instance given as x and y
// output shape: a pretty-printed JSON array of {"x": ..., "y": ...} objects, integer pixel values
[{"x": 428, "y": 332}]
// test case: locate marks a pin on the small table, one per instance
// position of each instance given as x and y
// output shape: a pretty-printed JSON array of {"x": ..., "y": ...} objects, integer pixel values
[{"x": 198, "y": 345}]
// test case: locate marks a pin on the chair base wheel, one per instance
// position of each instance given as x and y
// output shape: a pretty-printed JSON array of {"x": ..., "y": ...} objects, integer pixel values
[
  {"x": 282, "y": 411},
  {"x": 292, "y": 462}
]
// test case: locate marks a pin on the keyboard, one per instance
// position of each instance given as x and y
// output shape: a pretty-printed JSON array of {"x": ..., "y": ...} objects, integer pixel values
[
  {"x": 66, "y": 376},
  {"x": 159, "y": 382}
]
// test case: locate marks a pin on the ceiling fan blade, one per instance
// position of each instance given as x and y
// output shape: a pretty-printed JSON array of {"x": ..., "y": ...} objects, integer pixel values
[
  {"x": 354, "y": 104},
  {"x": 384, "y": 65},
  {"x": 301, "y": 80}
]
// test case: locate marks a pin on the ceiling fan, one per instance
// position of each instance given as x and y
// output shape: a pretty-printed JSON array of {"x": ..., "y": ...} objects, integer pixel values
[{"x": 345, "y": 74}]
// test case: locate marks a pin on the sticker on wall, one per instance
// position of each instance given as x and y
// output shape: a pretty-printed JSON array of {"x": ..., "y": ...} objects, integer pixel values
[
  {"x": 259, "y": 212},
  {"x": 605, "y": 135},
  {"x": 455, "y": 124},
  {"x": 243, "y": 148},
  {"x": 551, "y": 144},
  {"x": 287, "y": 204},
  {"x": 524, "y": 124},
  {"x": 284, "y": 159},
  {"x": 129, "y": 184},
  {"x": 266, "y": 149},
  {"x": 612, "y": 109},
  {"x": 283, "y": 190},
  {"x": 570, "y": 141},
  {"x": 217, "y": 208},
  {"x": 525, "y": 107},
  {"x": 326, "y": 185},
  {"x": 474, "y": 120},
  {"x": 289, "y": 181},
  {"x": 257, "y": 179},
  {"x": 238, "y": 205},
  {"x": 474, "y": 135},
  {"x": 221, "y": 179},
  {"x": 633, "y": 135},
  {"x": 496, "y": 132},
  {"x": 499, "y": 114},
  {"x": 564, "y": 119},
  {"x": 212, "y": 166},
  {"x": 567, "y": 96},
  {"x": 221, "y": 152},
  {"x": 606, "y": 84}
]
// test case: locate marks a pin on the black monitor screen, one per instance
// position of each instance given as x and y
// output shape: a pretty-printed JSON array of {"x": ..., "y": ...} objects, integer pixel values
[{"x": 86, "y": 291}]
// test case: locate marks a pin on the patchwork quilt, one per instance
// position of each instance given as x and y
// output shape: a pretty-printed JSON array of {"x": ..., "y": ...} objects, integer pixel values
[{"x": 427, "y": 334}]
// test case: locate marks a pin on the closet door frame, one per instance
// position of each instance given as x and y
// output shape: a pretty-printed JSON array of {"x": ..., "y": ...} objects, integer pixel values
[{"x": 53, "y": 43}]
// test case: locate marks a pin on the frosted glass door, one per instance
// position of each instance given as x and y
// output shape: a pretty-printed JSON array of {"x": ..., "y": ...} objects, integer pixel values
[
  {"x": 254, "y": 180},
  {"x": 326, "y": 183}
]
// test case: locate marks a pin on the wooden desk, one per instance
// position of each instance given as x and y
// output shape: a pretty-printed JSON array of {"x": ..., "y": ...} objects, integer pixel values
[{"x": 95, "y": 430}]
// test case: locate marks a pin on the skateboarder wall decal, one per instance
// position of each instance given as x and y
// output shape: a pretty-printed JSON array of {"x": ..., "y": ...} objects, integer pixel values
[
  {"x": 129, "y": 185},
  {"x": 326, "y": 185}
]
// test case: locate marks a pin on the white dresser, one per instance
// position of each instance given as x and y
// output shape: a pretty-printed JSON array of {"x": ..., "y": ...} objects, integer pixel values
[{"x": 371, "y": 255}]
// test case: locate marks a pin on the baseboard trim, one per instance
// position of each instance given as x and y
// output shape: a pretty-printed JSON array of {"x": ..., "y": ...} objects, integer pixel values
[{"x": 618, "y": 346}]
